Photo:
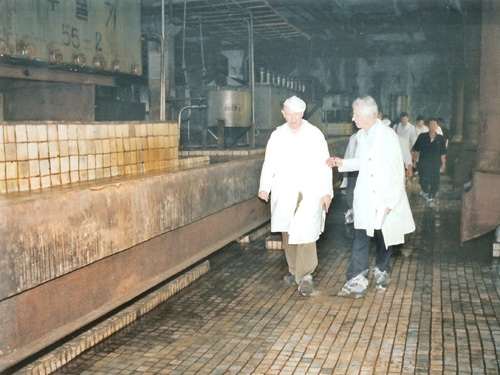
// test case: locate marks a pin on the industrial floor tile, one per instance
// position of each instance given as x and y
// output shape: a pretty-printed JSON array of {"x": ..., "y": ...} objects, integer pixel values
[{"x": 440, "y": 314}]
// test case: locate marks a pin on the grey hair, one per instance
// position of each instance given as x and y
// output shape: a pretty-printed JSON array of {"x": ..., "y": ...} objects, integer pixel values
[{"x": 368, "y": 106}]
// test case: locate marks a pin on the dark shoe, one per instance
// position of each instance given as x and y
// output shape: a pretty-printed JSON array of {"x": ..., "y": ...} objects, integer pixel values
[
  {"x": 306, "y": 286},
  {"x": 354, "y": 288},
  {"x": 382, "y": 279},
  {"x": 290, "y": 280}
]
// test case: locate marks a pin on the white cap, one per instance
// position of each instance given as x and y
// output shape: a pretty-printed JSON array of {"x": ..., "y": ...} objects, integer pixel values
[{"x": 295, "y": 104}]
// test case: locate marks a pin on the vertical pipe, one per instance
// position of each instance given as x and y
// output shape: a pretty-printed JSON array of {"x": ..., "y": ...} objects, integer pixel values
[
  {"x": 163, "y": 19},
  {"x": 162, "y": 75},
  {"x": 252, "y": 78},
  {"x": 184, "y": 69},
  {"x": 204, "y": 70}
]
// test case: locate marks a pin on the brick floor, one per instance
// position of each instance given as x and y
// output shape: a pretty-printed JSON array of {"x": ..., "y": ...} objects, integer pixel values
[{"x": 440, "y": 314}]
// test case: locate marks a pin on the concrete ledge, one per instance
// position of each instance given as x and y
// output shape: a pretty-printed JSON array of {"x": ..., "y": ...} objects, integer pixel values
[
  {"x": 252, "y": 236},
  {"x": 274, "y": 242}
]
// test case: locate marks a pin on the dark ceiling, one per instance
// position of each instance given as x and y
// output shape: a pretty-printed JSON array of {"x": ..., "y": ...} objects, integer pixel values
[{"x": 365, "y": 26}]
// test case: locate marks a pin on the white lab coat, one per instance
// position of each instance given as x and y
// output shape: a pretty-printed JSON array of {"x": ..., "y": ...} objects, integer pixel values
[
  {"x": 297, "y": 163},
  {"x": 380, "y": 184},
  {"x": 407, "y": 131},
  {"x": 349, "y": 153},
  {"x": 405, "y": 151}
]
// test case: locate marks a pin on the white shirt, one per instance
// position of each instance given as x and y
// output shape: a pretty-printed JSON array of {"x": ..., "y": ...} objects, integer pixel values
[
  {"x": 407, "y": 131},
  {"x": 423, "y": 129}
]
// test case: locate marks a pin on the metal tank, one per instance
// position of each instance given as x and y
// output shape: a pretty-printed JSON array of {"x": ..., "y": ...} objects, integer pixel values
[{"x": 229, "y": 105}]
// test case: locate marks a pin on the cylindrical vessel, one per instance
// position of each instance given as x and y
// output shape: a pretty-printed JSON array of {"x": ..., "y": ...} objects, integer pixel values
[{"x": 231, "y": 106}]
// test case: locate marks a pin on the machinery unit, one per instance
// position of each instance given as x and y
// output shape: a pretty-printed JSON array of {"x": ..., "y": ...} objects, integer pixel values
[
  {"x": 270, "y": 93},
  {"x": 336, "y": 108},
  {"x": 229, "y": 113},
  {"x": 268, "y": 102},
  {"x": 230, "y": 106},
  {"x": 92, "y": 33}
]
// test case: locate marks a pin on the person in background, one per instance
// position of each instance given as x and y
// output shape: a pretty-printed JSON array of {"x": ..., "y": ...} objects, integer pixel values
[
  {"x": 405, "y": 152},
  {"x": 406, "y": 130},
  {"x": 294, "y": 176},
  {"x": 444, "y": 130},
  {"x": 420, "y": 126},
  {"x": 381, "y": 207},
  {"x": 430, "y": 149},
  {"x": 350, "y": 178}
]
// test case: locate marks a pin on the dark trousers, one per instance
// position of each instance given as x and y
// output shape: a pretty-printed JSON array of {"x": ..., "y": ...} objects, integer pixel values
[
  {"x": 360, "y": 258},
  {"x": 428, "y": 178},
  {"x": 351, "y": 184}
]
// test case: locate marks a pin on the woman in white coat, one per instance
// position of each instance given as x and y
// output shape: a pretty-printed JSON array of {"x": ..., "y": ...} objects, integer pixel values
[
  {"x": 381, "y": 207},
  {"x": 295, "y": 177}
]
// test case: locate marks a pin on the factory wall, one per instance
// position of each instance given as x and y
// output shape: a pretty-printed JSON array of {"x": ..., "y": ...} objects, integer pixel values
[
  {"x": 415, "y": 83},
  {"x": 38, "y": 155}
]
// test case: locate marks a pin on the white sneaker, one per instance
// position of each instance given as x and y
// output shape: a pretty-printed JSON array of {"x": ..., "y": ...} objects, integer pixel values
[
  {"x": 306, "y": 286},
  {"x": 382, "y": 279},
  {"x": 355, "y": 288}
]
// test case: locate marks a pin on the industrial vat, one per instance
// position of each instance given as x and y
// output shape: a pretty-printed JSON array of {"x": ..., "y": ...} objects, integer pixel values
[{"x": 230, "y": 106}]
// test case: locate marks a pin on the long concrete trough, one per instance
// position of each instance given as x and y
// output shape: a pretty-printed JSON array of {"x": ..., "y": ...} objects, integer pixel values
[{"x": 70, "y": 255}]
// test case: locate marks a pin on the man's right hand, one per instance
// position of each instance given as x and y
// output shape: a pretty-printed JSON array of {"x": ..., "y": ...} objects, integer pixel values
[{"x": 264, "y": 195}]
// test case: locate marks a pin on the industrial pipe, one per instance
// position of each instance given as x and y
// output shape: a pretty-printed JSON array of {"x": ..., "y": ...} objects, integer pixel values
[
  {"x": 203, "y": 69},
  {"x": 184, "y": 68},
  {"x": 199, "y": 106},
  {"x": 162, "y": 79},
  {"x": 185, "y": 99},
  {"x": 162, "y": 73},
  {"x": 163, "y": 114},
  {"x": 251, "y": 76}
]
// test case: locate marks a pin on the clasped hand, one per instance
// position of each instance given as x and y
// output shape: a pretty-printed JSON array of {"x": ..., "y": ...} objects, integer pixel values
[{"x": 334, "y": 161}]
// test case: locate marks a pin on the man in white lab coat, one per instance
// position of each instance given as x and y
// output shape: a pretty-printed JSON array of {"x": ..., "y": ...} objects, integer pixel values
[
  {"x": 300, "y": 185},
  {"x": 381, "y": 207}
]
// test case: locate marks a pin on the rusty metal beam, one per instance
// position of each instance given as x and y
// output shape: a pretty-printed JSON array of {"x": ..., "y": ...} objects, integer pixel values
[
  {"x": 53, "y": 75},
  {"x": 480, "y": 209},
  {"x": 41, "y": 316},
  {"x": 480, "y": 206}
]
